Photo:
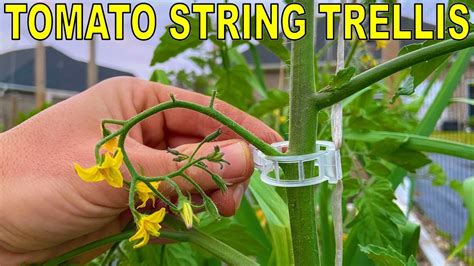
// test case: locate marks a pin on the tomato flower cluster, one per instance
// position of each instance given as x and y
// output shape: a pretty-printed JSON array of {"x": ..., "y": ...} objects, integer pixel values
[{"x": 111, "y": 157}]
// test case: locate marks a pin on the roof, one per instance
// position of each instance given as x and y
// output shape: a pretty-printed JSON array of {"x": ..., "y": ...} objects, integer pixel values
[{"x": 63, "y": 72}]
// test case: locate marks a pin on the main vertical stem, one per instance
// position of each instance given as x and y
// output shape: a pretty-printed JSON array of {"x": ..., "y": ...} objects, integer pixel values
[{"x": 303, "y": 123}]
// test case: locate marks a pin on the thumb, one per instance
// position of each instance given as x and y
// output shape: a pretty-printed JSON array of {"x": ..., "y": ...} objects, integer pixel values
[{"x": 159, "y": 163}]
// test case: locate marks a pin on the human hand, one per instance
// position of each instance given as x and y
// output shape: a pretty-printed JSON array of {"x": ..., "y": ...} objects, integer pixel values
[{"x": 47, "y": 210}]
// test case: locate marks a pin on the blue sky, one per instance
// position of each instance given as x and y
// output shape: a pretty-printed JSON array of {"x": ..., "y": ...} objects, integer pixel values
[{"x": 132, "y": 55}]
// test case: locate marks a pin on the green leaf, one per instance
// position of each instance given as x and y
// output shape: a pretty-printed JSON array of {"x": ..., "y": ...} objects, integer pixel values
[
  {"x": 468, "y": 3},
  {"x": 276, "y": 214},
  {"x": 392, "y": 150},
  {"x": 439, "y": 176},
  {"x": 342, "y": 77},
  {"x": 386, "y": 146},
  {"x": 408, "y": 159},
  {"x": 234, "y": 88},
  {"x": 178, "y": 254},
  {"x": 384, "y": 256},
  {"x": 277, "y": 99},
  {"x": 277, "y": 46},
  {"x": 378, "y": 169},
  {"x": 160, "y": 76},
  {"x": 410, "y": 238},
  {"x": 416, "y": 142},
  {"x": 378, "y": 217},
  {"x": 247, "y": 217},
  {"x": 412, "y": 261},
  {"x": 450, "y": 84},
  {"x": 421, "y": 71},
  {"x": 166, "y": 255},
  {"x": 169, "y": 47},
  {"x": 233, "y": 234},
  {"x": 466, "y": 194},
  {"x": 407, "y": 88},
  {"x": 351, "y": 187},
  {"x": 456, "y": 186}
]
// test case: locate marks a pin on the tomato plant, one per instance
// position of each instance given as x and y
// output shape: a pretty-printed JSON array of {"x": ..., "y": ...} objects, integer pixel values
[{"x": 384, "y": 140}]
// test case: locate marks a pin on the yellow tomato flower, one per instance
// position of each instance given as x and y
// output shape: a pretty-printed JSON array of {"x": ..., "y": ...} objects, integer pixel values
[
  {"x": 368, "y": 60},
  {"x": 381, "y": 44},
  {"x": 187, "y": 214},
  {"x": 282, "y": 119},
  {"x": 148, "y": 225},
  {"x": 261, "y": 217},
  {"x": 111, "y": 145},
  {"x": 145, "y": 193},
  {"x": 108, "y": 170}
]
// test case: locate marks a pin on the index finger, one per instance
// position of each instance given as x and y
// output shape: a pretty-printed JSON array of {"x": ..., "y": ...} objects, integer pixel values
[{"x": 188, "y": 122}]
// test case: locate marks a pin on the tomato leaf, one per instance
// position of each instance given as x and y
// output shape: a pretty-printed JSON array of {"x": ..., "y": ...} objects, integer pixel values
[
  {"x": 277, "y": 46},
  {"x": 407, "y": 88},
  {"x": 439, "y": 176},
  {"x": 160, "y": 76},
  {"x": 169, "y": 47},
  {"x": 384, "y": 256},
  {"x": 234, "y": 87},
  {"x": 351, "y": 187},
  {"x": 277, "y": 99},
  {"x": 421, "y": 71},
  {"x": 466, "y": 194},
  {"x": 166, "y": 255},
  {"x": 378, "y": 217},
  {"x": 393, "y": 151},
  {"x": 233, "y": 234},
  {"x": 342, "y": 77}
]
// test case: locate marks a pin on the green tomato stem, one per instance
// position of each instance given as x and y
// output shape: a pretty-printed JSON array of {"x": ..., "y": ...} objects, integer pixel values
[
  {"x": 206, "y": 242},
  {"x": 302, "y": 137},
  {"x": 329, "y": 97}
]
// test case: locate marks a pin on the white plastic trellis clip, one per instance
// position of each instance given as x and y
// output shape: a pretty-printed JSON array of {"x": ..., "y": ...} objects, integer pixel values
[{"x": 326, "y": 158}]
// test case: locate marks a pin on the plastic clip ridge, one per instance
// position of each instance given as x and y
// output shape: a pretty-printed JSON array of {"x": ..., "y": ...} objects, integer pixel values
[{"x": 327, "y": 162}]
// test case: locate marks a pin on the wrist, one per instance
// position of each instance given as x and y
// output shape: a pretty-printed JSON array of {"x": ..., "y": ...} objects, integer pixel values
[
  {"x": 3, "y": 206},
  {"x": 5, "y": 210}
]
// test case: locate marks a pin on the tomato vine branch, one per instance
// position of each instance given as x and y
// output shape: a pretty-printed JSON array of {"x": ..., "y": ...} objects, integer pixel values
[{"x": 329, "y": 96}]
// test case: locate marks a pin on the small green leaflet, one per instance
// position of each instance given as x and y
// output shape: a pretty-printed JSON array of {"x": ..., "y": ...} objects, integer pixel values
[
  {"x": 439, "y": 176},
  {"x": 342, "y": 77},
  {"x": 407, "y": 88}
]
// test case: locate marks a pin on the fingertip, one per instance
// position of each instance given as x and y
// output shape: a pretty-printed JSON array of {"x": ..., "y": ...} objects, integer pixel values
[
  {"x": 229, "y": 202},
  {"x": 239, "y": 156}
]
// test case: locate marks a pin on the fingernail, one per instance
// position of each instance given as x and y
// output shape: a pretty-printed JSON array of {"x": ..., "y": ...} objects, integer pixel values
[
  {"x": 238, "y": 156},
  {"x": 238, "y": 193}
]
